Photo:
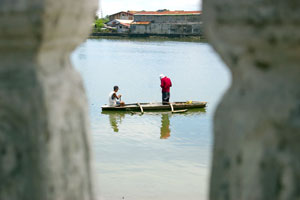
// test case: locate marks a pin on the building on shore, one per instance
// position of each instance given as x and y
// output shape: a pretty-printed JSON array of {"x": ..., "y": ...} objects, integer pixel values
[
  {"x": 123, "y": 15},
  {"x": 165, "y": 22},
  {"x": 121, "y": 21},
  {"x": 120, "y": 25}
]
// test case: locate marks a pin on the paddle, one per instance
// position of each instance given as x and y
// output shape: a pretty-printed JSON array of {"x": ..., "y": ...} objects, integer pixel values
[
  {"x": 180, "y": 111},
  {"x": 176, "y": 111},
  {"x": 142, "y": 110}
]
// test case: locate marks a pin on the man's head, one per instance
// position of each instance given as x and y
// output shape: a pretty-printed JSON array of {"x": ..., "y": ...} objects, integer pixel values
[
  {"x": 116, "y": 88},
  {"x": 161, "y": 76}
]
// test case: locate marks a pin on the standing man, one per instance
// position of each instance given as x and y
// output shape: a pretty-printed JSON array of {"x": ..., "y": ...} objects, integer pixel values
[
  {"x": 165, "y": 84},
  {"x": 114, "y": 99}
]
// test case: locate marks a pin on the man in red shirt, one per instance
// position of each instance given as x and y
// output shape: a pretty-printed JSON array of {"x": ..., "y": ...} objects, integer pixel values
[{"x": 165, "y": 84}]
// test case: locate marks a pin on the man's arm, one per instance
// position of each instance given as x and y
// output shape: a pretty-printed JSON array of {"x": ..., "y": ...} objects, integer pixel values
[
  {"x": 162, "y": 83},
  {"x": 117, "y": 96}
]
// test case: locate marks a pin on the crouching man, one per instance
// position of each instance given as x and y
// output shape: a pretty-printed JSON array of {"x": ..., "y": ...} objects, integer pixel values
[{"x": 114, "y": 99}]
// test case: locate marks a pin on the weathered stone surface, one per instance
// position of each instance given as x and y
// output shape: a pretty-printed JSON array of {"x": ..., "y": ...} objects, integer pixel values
[
  {"x": 257, "y": 125},
  {"x": 44, "y": 141}
]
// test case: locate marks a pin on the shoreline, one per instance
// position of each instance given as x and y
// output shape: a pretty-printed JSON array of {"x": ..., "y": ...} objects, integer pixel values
[{"x": 192, "y": 38}]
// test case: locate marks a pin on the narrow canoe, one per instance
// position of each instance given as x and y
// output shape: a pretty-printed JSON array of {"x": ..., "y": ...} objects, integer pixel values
[{"x": 155, "y": 106}]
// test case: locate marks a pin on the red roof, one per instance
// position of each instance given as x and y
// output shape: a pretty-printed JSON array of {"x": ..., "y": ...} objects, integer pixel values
[
  {"x": 169, "y": 13},
  {"x": 125, "y": 24},
  {"x": 132, "y": 11},
  {"x": 141, "y": 23}
]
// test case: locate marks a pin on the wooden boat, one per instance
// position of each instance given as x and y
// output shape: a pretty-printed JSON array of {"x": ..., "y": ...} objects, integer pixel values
[{"x": 172, "y": 106}]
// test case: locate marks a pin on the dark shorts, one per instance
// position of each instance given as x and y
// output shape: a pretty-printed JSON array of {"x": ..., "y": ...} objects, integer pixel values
[{"x": 165, "y": 97}]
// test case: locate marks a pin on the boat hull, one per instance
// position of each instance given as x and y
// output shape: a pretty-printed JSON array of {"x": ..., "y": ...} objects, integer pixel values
[{"x": 156, "y": 106}]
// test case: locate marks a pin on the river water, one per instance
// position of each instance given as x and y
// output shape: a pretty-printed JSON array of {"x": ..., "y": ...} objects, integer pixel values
[{"x": 158, "y": 155}]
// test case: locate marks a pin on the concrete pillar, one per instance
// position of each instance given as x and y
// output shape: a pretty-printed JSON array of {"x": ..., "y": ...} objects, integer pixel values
[
  {"x": 256, "y": 153},
  {"x": 44, "y": 142}
]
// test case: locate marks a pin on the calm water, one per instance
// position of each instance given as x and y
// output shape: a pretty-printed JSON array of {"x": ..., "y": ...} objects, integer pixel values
[{"x": 157, "y": 156}]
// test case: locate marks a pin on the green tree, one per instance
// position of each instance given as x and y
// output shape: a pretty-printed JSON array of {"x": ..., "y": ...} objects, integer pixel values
[{"x": 99, "y": 23}]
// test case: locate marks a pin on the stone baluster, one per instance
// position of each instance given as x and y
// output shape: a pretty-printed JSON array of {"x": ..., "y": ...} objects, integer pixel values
[
  {"x": 257, "y": 125},
  {"x": 44, "y": 127}
]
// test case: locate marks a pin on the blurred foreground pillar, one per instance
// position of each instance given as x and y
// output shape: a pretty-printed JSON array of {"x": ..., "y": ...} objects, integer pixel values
[
  {"x": 44, "y": 142},
  {"x": 256, "y": 153}
]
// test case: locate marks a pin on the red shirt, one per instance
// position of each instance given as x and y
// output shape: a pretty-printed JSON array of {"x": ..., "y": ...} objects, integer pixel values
[{"x": 165, "y": 84}]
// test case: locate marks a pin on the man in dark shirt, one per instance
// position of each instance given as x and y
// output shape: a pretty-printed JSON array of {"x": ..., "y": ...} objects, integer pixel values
[{"x": 165, "y": 84}]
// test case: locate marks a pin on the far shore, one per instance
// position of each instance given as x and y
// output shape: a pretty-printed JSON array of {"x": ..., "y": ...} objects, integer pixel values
[{"x": 192, "y": 38}]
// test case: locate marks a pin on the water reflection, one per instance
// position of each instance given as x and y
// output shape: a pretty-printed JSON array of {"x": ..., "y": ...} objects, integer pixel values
[
  {"x": 165, "y": 130},
  {"x": 116, "y": 118}
]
